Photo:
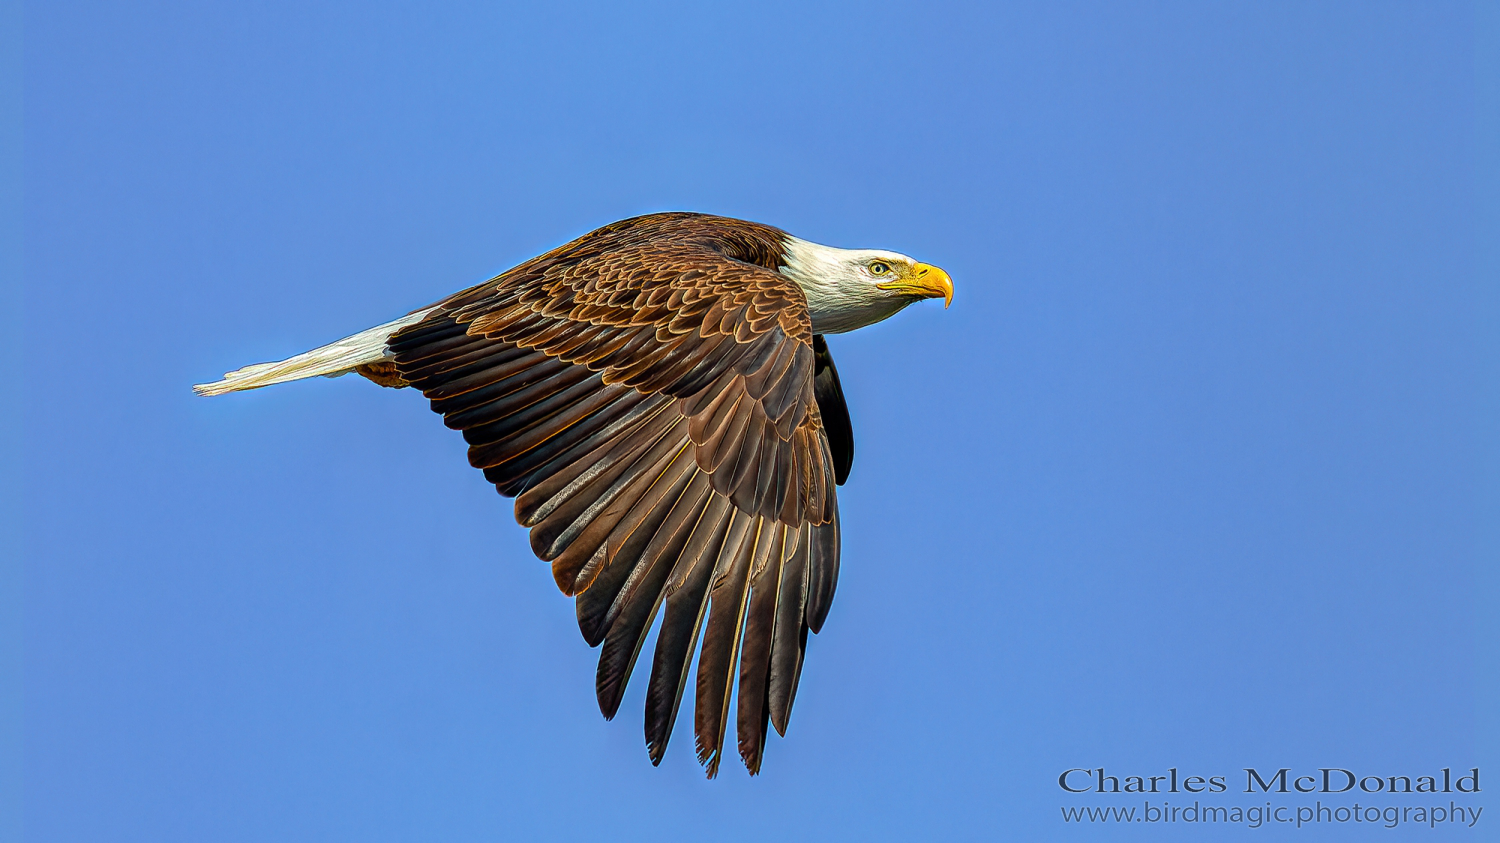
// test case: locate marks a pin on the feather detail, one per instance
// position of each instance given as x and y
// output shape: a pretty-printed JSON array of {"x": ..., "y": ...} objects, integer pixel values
[
  {"x": 721, "y": 640},
  {"x": 332, "y": 360},
  {"x": 686, "y": 599}
]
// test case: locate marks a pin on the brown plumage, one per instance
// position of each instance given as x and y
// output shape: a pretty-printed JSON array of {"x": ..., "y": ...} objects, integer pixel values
[
  {"x": 627, "y": 360},
  {"x": 654, "y": 397}
]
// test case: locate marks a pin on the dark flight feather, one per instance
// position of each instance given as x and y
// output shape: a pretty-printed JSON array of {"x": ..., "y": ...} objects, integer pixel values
[
  {"x": 686, "y": 598},
  {"x": 753, "y": 713},
  {"x": 721, "y": 640},
  {"x": 835, "y": 412}
]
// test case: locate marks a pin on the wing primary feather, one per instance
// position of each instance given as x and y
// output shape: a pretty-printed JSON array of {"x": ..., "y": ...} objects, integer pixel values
[
  {"x": 562, "y": 454},
  {"x": 642, "y": 594},
  {"x": 540, "y": 500},
  {"x": 721, "y": 641},
  {"x": 753, "y": 713},
  {"x": 686, "y": 600},
  {"x": 433, "y": 329},
  {"x": 499, "y": 418},
  {"x": 454, "y": 393},
  {"x": 569, "y": 518},
  {"x": 447, "y": 351},
  {"x": 601, "y": 542},
  {"x": 790, "y": 638},
  {"x": 575, "y": 547},
  {"x": 444, "y": 351},
  {"x": 485, "y": 354},
  {"x": 598, "y": 606},
  {"x": 570, "y": 433}
]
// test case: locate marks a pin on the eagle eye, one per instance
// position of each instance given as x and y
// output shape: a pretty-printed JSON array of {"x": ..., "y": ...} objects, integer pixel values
[{"x": 880, "y": 268}]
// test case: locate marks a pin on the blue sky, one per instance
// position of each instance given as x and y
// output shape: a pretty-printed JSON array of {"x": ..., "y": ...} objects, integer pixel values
[{"x": 1192, "y": 474}]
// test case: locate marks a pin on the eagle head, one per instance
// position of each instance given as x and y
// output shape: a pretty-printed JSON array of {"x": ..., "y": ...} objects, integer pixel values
[{"x": 851, "y": 288}]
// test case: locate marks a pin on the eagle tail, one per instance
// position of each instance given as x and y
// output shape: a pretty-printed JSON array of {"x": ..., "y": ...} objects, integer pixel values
[{"x": 336, "y": 358}]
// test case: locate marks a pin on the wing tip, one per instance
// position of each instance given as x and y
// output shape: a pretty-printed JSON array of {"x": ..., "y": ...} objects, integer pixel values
[{"x": 657, "y": 750}]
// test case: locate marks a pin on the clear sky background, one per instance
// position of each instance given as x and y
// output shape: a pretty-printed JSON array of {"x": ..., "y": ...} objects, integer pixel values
[{"x": 1190, "y": 475}]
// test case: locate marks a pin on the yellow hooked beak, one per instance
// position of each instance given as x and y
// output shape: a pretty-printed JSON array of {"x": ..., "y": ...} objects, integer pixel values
[{"x": 923, "y": 281}]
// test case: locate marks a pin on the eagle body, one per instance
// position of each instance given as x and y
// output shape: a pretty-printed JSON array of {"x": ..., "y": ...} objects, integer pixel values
[{"x": 658, "y": 398}]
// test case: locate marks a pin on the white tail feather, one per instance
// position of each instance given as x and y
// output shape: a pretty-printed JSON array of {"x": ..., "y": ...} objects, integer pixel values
[{"x": 331, "y": 360}]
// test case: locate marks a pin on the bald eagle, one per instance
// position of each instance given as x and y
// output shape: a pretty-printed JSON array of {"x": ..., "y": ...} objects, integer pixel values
[{"x": 658, "y": 398}]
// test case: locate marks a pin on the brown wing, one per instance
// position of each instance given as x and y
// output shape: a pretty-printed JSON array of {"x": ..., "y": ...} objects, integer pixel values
[{"x": 647, "y": 395}]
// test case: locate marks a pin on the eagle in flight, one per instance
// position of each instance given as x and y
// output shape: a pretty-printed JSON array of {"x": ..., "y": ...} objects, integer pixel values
[{"x": 658, "y": 398}]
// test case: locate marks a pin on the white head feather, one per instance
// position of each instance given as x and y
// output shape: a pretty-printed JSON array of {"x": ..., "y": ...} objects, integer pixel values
[{"x": 843, "y": 285}]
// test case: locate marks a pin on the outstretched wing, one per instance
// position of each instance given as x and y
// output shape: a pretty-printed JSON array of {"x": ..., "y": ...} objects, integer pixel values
[{"x": 650, "y": 403}]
